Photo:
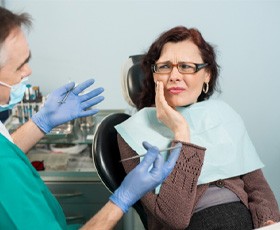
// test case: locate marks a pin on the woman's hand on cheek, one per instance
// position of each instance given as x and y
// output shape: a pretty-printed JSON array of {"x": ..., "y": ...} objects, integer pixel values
[{"x": 170, "y": 117}]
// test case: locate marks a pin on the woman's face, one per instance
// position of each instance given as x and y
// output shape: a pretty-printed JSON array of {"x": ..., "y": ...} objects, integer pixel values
[{"x": 181, "y": 89}]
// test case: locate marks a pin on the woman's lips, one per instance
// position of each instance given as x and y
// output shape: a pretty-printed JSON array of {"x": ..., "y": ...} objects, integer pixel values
[{"x": 176, "y": 90}]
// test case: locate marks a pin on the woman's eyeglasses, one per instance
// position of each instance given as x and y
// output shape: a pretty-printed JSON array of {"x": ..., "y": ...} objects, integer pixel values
[{"x": 183, "y": 67}]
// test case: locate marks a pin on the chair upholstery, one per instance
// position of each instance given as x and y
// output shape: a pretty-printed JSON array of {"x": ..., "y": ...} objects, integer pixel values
[
  {"x": 132, "y": 78},
  {"x": 106, "y": 157}
]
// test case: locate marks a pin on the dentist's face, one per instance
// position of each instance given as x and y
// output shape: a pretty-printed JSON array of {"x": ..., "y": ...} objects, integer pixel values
[
  {"x": 181, "y": 89},
  {"x": 14, "y": 58}
]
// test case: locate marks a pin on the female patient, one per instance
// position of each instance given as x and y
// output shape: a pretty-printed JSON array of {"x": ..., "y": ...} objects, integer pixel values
[{"x": 217, "y": 182}]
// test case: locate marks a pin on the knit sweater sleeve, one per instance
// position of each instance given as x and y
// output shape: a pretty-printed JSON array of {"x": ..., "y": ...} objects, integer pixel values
[
  {"x": 261, "y": 200},
  {"x": 174, "y": 204}
]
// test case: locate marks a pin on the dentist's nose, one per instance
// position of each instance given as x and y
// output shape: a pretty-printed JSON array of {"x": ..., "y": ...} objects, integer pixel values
[{"x": 27, "y": 71}]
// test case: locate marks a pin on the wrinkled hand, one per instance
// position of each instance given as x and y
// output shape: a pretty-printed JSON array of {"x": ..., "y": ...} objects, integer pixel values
[
  {"x": 170, "y": 117},
  {"x": 54, "y": 113},
  {"x": 142, "y": 179}
]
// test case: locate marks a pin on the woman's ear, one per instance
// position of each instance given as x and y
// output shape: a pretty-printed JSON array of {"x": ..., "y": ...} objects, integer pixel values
[{"x": 207, "y": 77}]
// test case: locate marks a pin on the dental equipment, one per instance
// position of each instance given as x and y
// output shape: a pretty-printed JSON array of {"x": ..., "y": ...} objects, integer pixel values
[{"x": 141, "y": 155}]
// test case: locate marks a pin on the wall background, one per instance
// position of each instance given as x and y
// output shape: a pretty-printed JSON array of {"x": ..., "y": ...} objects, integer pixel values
[{"x": 76, "y": 40}]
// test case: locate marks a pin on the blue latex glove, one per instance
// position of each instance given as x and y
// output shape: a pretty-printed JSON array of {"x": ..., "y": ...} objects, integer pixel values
[
  {"x": 143, "y": 178},
  {"x": 54, "y": 113}
]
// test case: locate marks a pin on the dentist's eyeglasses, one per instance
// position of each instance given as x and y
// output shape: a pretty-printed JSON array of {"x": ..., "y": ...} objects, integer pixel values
[{"x": 183, "y": 67}]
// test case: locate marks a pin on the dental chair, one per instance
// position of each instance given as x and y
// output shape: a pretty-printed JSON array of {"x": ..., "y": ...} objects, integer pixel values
[
  {"x": 105, "y": 148},
  {"x": 132, "y": 78}
]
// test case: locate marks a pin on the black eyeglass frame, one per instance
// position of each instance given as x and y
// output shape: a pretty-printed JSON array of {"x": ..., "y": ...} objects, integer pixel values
[{"x": 198, "y": 66}]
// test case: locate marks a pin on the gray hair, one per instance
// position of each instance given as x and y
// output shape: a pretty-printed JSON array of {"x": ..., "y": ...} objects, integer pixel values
[{"x": 10, "y": 21}]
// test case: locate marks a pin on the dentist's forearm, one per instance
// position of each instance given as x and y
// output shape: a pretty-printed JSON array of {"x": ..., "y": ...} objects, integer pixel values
[
  {"x": 27, "y": 136},
  {"x": 106, "y": 218}
]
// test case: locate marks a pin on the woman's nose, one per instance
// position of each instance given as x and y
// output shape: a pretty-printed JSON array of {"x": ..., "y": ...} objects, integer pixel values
[{"x": 175, "y": 75}]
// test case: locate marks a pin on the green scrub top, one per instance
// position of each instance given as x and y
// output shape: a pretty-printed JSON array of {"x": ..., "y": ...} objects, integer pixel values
[{"x": 25, "y": 200}]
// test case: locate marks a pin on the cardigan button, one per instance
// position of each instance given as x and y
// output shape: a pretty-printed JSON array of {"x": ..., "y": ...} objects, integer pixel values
[{"x": 220, "y": 183}]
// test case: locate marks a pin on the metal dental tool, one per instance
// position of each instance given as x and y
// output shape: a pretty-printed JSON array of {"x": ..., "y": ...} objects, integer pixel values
[
  {"x": 141, "y": 155},
  {"x": 66, "y": 95}
]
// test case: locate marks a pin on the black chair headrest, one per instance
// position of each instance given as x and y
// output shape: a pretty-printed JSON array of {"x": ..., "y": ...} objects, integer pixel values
[{"x": 132, "y": 82}]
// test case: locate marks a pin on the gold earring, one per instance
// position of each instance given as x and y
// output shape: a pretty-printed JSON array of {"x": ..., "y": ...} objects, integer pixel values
[{"x": 205, "y": 89}]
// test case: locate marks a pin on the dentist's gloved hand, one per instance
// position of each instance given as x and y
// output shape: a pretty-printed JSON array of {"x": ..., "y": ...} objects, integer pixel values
[
  {"x": 54, "y": 113},
  {"x": 143, "y": 178}
]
